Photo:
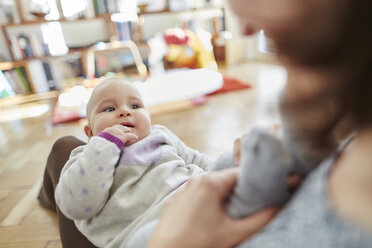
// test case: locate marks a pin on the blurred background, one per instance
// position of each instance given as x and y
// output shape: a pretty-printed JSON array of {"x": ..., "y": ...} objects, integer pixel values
[{"x": 200, "y": 77}]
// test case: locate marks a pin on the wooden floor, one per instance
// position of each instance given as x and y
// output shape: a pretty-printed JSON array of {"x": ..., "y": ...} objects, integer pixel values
[{"x": 25, "y": 144}]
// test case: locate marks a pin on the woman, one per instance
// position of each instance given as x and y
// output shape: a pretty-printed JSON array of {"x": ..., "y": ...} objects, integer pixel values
[{"x": 325, "y": 47}]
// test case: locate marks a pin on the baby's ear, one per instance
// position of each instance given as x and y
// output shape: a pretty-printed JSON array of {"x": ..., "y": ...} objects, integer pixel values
[{"x": 88, "y": 131}]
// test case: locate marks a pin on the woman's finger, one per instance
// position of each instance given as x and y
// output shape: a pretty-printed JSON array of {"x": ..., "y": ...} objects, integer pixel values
[
  {"x": 248, "y": 226},
  {"x": 294, "y": 181}
]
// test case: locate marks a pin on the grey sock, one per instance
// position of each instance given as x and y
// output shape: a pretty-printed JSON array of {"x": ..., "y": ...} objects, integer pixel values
[{"x": 262, "y": 181}]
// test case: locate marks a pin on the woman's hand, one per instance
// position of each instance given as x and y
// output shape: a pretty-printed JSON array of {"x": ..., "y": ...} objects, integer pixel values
[{"x": 195, "y": 216}]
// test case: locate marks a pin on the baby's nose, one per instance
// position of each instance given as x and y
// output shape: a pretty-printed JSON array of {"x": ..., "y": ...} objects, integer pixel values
[{"x": 125, "y": 112}]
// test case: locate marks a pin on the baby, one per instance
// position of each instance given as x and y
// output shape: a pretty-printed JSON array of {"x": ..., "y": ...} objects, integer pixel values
[
  {"x": 114, "y": 187},
  {"x": 265, "y": 166},
  {"x": 120, "y": 179}
]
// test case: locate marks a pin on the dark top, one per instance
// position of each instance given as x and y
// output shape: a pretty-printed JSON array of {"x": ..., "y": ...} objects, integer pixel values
[{"x": 308, "y": 220}]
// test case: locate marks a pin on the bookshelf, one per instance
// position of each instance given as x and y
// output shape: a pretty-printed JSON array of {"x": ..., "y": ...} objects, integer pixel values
[
  {"x": 32, "y": 39},
  {"x": 36, "y": 52},
  {"x": 17, "y": 74}
]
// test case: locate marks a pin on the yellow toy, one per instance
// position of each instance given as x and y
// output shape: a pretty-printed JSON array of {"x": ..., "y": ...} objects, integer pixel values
[{"x": 189, "y": 49}]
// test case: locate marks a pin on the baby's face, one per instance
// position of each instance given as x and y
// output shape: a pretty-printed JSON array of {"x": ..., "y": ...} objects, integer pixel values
[{"x": 117, "y": 102}]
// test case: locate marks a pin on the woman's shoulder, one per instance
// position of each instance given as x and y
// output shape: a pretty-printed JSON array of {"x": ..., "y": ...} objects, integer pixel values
[
  {"x": 310, "y": 211},
  {"x": 350, "y": 187}
]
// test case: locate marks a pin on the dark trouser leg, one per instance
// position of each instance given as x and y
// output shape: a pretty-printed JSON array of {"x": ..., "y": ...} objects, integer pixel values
[{"x": 70, "y": 235}]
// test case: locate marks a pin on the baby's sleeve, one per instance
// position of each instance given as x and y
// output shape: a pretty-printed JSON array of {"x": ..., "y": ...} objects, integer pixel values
[
  {"x": 265, "y": 164},
  {"x": 86, "y": 179},
  {"x": 223, "y": 161},
  {"x": 189, "y": 155}
]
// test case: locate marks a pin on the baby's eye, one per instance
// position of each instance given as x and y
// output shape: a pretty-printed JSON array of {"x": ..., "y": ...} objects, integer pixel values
[
  {"x": 135, "y": 106},
  {"x": 109, "y": 109}
]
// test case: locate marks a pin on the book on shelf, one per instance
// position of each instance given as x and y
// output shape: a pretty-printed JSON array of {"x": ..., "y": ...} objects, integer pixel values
[
  {"x": 39, "y": 76},
  {"x": 25, "y": 45},
  {"x": 16, "y": 49},
  {"x": 22, "y": 76},
  {"x": 5, "y": 87},
  {"x": 190, "y": 25},
  {"x": 65, "y": 68},
  {"x": 14, "y": 81},
  {"x": 106, "y": 6},
  {"x": 219, "y": 24},
  {"x": 49, "y": 74},
  {"x": 28, "y": 45},
  {"x": 18, "y": 80},
  {"x": 124, "y": 30},
  {"x": 37, "y": 46}
]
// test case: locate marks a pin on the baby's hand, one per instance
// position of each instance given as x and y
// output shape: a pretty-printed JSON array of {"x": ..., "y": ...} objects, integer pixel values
[
  {"x": 122, "y": 132},
  {"x": 237, "y": 147}
]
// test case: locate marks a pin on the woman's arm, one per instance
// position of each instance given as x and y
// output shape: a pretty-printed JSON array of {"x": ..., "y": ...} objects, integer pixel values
[{"x": 195, "y": 216}]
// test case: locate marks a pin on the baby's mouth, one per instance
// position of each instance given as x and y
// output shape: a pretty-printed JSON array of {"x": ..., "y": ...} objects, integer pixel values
[{"x": 127, "y": 125}]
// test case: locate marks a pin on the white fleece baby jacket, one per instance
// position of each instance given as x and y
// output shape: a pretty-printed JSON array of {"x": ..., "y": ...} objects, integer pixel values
[{"x": 110, "y": 191}]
